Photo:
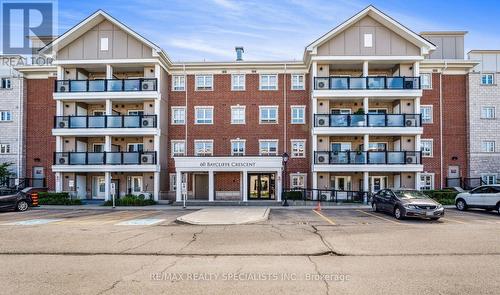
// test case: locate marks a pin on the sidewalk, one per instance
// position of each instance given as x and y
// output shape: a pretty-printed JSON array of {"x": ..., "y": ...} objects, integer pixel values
[{"x": 226, "y": 216}]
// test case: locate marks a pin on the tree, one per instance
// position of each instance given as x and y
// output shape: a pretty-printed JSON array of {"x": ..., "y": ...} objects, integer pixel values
[{"x": 4, "y": 170}]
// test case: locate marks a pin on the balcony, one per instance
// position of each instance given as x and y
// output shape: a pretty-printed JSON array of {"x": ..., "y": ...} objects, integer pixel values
[
  {"x": 107, "y": 121},
  {"x": 368, "y": 158},
  {"x": 366, "y": 83},
  {"x": 106, "y": 85},
  {"x": 105, "y": 158},
  {"x": 367, "y": 120}
]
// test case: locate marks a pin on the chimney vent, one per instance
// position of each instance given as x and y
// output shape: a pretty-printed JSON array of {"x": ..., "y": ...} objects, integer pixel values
[{"x": 239, "y": 53}]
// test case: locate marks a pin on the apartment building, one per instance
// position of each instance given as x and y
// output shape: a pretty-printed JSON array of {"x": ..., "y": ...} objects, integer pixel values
[
  {"x": 370, "y": 106},
  {"x": 484, "y": 126}
]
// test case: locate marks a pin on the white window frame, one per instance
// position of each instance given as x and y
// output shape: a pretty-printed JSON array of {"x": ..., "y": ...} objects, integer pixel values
[
  {"x": 233, "y": 120},
  {"x": 267, "y": 141},
  {"x": 5, "y": 116},
  {"x": 205, "y": 142},
  {"x": 205, "y": 86},
  {"x": 486, "y": 177},
  {"x": 6, "y": 83},
  {"x": 238, "y": 87},
  {"x": 431, "y": 175},
  {"x": 293, "y": 152},
  {"x": 173, "y": 144},
  {"x": 431, "y": 113},
  {"x": 303, "y": 176},
  {"x": 275, "y": 121},
  {"x": 178, "y": 83},
  {"x": 486, "y": 75},
  {"x": 422, "y": 85},
  {"x": 136, "y": 147},
  {"x": 173, "y": 182},
  {"x": 431, "y": 152},
  {"x": 296, "y": 84},
  {"x": 303, "y": 120},
  {"x": 135, "y": 112},
  {"x": 488, "y": 149},
  {"x": 178, "y": 108},
  {"x": 5, "y": 148},
  {"x": 205, "y": 113},
  {"x": 104, "y": 44},
  {"x": 266, "y": 85},
  {"x": 239, "y": 141},
  {"x": 368, "y": 40},
  {"x": 484, "y": 112}
]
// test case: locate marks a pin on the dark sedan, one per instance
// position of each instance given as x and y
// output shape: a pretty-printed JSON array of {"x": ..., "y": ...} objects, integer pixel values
[
  {"x": 14, "y": 200},
  {"x": 407, "y": 203}
]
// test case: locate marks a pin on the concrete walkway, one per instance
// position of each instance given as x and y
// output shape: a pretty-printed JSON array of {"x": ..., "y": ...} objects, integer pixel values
[{"x": 226, "y": 216}]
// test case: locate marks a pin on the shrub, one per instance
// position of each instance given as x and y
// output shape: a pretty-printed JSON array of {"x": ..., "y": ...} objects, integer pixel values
[
  {"x": 51, "y": 198},
  {"x": 131, "y": 200},
  {"x": 293, "y": 195},
  {"x": 445, "y": 197}
]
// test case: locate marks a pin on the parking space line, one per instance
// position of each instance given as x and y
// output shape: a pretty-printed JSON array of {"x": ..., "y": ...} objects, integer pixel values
[
  {"x": 478, "y": 214},
  {"x": 330, "y": 221},
  {"x": 380, "y": 217},
  {"x": 453, "y": 220}
]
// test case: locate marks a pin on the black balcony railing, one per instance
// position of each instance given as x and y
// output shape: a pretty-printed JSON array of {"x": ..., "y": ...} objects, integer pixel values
[
  {"x": 106, "y": 85},
  {"x": 105, "y": 158},
  {"x": 368, "y": 158},
  {"x": 367, "y": 120},
  {"x": 111, "y": 121},
  {"x": 361, "y": 83}
]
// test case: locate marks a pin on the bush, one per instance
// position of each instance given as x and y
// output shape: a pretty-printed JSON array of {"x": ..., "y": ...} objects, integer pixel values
[
  {"x": 293, "y": 195},
  {"x": 445, "y": 197},
  {"x": 50, "y": 198},
  {"x": 131, "y": 200}
]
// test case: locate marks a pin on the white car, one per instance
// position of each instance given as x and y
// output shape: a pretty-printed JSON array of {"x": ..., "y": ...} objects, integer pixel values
[{"x": 484, "y": 197}]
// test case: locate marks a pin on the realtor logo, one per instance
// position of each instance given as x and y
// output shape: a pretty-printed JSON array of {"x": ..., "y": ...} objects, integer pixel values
[{"x": 24, "y": 19}]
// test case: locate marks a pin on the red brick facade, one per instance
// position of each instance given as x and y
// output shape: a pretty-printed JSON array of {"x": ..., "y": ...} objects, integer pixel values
[{"x": 40, "y": 112}]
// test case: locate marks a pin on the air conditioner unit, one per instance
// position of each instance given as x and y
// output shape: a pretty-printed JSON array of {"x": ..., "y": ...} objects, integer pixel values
[
  {"x": 63, "y": 123},
  {"x": 411, "y": 160},
  {"x": 322, "y": 84},
  {"x": 62, "y": 88},
  {"x": 324, "y": 196},
  {"x": 322, "y": 122},
  {"x": 321, "y": 159},
  {"x": 63, "y": 160},
  {"x": 147, "y": 122},
  {"x": 147, "y": 159},
  {"x": 148, "y": 85},
  {"x": 411, "y": 123},
  {"x": 408, "y": 84}
]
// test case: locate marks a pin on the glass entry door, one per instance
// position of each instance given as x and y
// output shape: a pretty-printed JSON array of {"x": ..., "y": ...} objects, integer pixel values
[{"x": 261, "y": 186}]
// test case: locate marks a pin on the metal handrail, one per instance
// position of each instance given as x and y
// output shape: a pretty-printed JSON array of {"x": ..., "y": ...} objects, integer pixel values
[
  {"x": 106, "y": 85},
  {"x": 369, "y": 82},
  {"x": 105, "y": 121},
  {"x": 367, "y": 157},
  {"x": 367, "y": 120},
  {"x": 105, "y": 158}
]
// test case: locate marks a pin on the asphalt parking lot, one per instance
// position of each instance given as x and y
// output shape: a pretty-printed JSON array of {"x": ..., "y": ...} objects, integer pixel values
[{"x": 299, "y": 251}]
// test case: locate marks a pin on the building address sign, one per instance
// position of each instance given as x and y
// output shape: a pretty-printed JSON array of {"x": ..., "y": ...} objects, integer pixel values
[{"x": 217, "y": 164}]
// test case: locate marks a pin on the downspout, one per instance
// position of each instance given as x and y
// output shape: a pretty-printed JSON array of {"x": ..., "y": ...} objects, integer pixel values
[
  {"x": 441, "y": 160},
  {"x": 186, "y": 110},
  {"x": 20, "y": 138},
  {"x": 285, "y": 137}
]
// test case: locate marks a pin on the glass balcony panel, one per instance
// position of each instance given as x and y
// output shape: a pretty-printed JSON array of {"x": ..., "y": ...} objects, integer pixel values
[
  {"x": 113, "y": 158},
  {"x": 131, "y": 158},
  {"x": 376, "y": 82},
  {"x": 339, "y": 83},
  {"x": 77, "y": 158},
  {"x": 339, "y": 120},
  {"x": 115, "y": 85},
  {"x": 377, "y": 157},
  {"x": 97, "y": 121},
  {"x": 132, "y": 85},
  {"x": 96, "y": 85},
  {"x": 396, "y": 158},
  {"x": 131, "y": 121},
  {"x": 358, "y": 157},
  {"x": 357, "y": 83},
  {"x": 394, "y": 83},
  {"x": 376, "y": 120},
  {"x": 395, "y": 120},
  {"x": 78, "y": 86},
  {"x": 358, "y": 120},
  {"x": 339, "y": 157},
  {"x": 115, "y": 121},
  {"x": 95, "y": 158},
  {"x": 77, "y": 122}
]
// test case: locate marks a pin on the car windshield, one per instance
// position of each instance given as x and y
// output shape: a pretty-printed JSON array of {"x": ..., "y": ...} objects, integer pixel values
[{"x": 410, "y": 194}]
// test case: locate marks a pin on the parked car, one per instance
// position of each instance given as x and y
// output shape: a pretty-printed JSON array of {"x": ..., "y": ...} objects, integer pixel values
[
  {"x": 14, "y": 200},
  {"x": 407, "y": 203},
  {"x": 484, "y": 197}
]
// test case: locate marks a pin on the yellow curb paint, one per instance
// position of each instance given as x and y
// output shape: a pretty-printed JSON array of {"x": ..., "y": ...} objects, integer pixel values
[
  {"x": 380, "y": 217},
  {"x": 324, "y": 217}
]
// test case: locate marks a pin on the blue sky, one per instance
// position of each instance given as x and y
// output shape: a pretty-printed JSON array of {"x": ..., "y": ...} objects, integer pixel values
[{"x": 197, "y": 30}]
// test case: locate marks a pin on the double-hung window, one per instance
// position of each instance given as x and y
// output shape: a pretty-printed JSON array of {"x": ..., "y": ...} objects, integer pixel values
[
  {"x": 204, "y": 115},
  {"x": 298, "y": 180},
  {"x": 6, "y": 83},
  {"x": 204, "y": 82},
  {"x": 488, "y": 146},
  {"x": 426, "y": 114},
  {"x": 178, "y": 148},
  {"x": 298, "y": 82},
  {"x": 238, "y": 147},
  {"x": 298, "y": 115},
  {"x": 268, "y": 82},
  {"x": 4, "y": 148},
  {"x": 238, "y": 82},
  {"x": 489, "y": 178},
  {"x": 268, "y": 147},
  {"x": 203, "y": 148},
  {"x": 178, "y": 115},
  {"x": 488, "y": 113},
  {"x": 298, "y": 148},
  {"x": 268, "y": 114},
  {"x": 487, "y": 79},
  {"x": 238, "y": 115},
  {"x": 178, "y": 83},
  {"x": 5, "y": 116},
  {"x": 427, "y": 147},
  {"x": 427, "y": 181},
  {"x": 426, "y": 81}
]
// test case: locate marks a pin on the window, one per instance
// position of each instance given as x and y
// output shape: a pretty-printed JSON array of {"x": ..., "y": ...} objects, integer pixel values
[
  {"x": 268, "y": 82},
  {"x": 298, "y": 180},
  {"x": 173, "y": 182},
  {"x": 204, "y": 82},
  {"x": 298, "y": 148},
  {"x": 298, "y": 82},
  {"x": 6, "y": 83},
  {"x": 368, "y": 40},
  {"x": 238, "y": 115},
  {"x": 268, "y": 115},
  {"x": 298, "y": 115},
  {"x": 178, "y": 148},
  {"x": 135, "y": 113},
  {"x": 487, "y": 79},
  {"x": 135, "y": 147},
  {"x": 488, "y": 113},
  {"x": 426, "y": 81},
  {"x": 104, "y": 44},
  {"x": 178, "y": 83},
  {"x": 238, "y": 82},
  {"x": 427, "y": 181},
  {"x": 488, "y": 146},
  {"x": 268, "y": 147},
  {"x": 204, "y": 115},
  {"x": 489, "y": 178},
  {"x": 427, "y": 147},
  {"x": 427, "y": 113},
  {"x": 5, "y": 116},
  {"x": 238, "y": 147},
  {"x": 5, "y": 148},
  {"x": 178, "y": 115},
  {"x": 204, "y": 147}
]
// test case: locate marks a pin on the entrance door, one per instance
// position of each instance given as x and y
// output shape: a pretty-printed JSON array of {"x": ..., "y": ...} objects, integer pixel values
[
  {"x": 453, "y": 172},
  {"x": 201, "y": 186},
  {"x": 81, "y": 186},
  {"x": 135, "y": 185},
  {"x": 261, "y": 186},
  {"x": 377, "y": 183},
  {"x": 98, "y": 187}
]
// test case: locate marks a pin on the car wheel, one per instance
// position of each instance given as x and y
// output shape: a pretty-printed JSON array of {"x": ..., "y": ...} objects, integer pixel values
[
  {"x": 461, "y": 205},
  {"x": 374, "y": 207},
  {"x": 22, "y": 206},
  {"x": 398, "y": 213}
]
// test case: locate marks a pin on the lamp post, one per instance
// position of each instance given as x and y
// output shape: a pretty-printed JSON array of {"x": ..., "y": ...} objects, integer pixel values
[{"x": 285, "y": 160}]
